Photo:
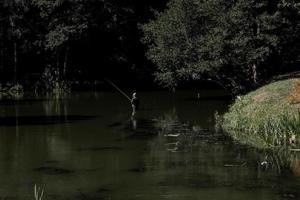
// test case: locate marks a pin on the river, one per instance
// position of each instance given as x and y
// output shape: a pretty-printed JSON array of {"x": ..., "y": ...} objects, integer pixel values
[{"x": 87, "y": 146}]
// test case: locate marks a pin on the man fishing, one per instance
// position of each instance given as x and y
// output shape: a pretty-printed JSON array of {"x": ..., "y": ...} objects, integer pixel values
[{"x": 135, "y": 102}]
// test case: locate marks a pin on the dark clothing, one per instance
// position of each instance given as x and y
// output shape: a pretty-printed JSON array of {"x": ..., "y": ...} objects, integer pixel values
[{"x": 135, "y": 102}]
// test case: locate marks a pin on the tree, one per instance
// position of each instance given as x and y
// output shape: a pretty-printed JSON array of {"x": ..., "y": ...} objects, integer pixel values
[
  {"x": 13, "y": 32},
  {"x": 63, "y": 21},
  {"x": 55, "y": 34},
  {"x": 2, "y": 35},
  {"x": 236, "y": 43},
  {"x": 289, "y": 34}
]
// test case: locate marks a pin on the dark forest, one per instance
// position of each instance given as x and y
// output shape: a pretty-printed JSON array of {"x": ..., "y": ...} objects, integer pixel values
[{"x": 238, "y": 44}]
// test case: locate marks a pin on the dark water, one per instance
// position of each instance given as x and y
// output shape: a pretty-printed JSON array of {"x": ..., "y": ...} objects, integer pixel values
[{"x": 86, "y": 146}]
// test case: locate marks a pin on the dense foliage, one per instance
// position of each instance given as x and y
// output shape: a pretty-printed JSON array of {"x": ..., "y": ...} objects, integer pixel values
[
  {"x": 71, "y": 39},
  {"x": 237, "y": 43}
]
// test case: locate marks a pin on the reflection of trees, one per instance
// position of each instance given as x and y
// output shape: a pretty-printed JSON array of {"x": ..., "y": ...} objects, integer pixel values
[
  {"x": 56, "y": 106},
  {"x": 194, "y": 157},
  {"x": 179, "y": 136},
  {"x": 168, "y": 122}
]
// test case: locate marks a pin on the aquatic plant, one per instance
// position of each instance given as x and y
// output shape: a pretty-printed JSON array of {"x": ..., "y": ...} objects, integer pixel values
[
  {"x": 281, "y": 160},
  {"x": 38, "y": 192}
]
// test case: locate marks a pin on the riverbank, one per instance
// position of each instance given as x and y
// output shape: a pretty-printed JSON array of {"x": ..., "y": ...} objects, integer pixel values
[{"x": 267, "y": 117}]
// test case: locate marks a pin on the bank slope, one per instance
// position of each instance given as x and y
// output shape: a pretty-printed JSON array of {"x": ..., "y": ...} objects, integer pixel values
[{"x": 267, "y": 117}]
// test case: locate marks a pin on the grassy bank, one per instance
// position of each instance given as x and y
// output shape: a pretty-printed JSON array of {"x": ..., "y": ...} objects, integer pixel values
[{"x": 267, "y": 117}]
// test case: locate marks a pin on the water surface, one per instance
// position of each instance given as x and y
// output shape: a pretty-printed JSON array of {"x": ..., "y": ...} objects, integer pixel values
[{"x": 87, "y": 146}]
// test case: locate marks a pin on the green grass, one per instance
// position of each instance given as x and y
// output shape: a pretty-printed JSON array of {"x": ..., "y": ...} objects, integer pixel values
[{"x": 265, "y": 118}]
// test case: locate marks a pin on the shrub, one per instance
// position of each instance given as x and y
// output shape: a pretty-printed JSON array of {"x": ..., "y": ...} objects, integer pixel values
[{"x": 51, "y": 82}]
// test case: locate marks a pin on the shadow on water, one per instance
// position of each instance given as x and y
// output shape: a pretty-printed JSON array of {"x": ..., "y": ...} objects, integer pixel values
[
  {"x": 139, "y": 169},
  {"x": 101, "y": 148},
  {"x": 101, "y": 194},
  {"x": 42, "y": 120},
  {"x": 208, "y": 98},
  {"x": 137, "y": 128},
  {"x": 115, "y": 124},
  {"x": 53, "y": 170},
  {"x": 23, "y": 101},
  {"x": 140, "y": 129}
]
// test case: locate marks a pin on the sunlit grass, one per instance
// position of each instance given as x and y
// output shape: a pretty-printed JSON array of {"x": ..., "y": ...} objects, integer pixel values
[{"x": 266, "y": 117}]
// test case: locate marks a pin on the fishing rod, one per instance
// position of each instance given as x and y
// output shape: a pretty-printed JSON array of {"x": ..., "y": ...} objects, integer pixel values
[{"x": 111, "y": 83}]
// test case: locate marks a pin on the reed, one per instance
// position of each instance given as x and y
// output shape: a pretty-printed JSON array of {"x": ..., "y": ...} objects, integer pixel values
[{"x": 38, "y": 192}]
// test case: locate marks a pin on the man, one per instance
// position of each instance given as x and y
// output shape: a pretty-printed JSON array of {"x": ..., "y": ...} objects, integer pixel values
[{"x": 135, "y": 102}]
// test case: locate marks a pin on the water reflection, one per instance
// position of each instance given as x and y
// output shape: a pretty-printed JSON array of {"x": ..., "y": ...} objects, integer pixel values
[
  {"x": 17, "y": 120},
  {"x": 211, "y": 155},
  {"x": 134, "y": 122},
  {"x": 57, "y": 105},
  {"x": 54, "y": 111},
  {"x": 281, "y": 160},
  {"x": 178, "y": 136}
]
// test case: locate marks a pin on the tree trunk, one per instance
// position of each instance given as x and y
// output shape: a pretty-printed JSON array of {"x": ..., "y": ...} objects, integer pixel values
[
  {"x": 2, "y": 59},
  {"x": 254, "y": 73},
  {"x": 65, "y": 62},
  {"x": 15, "y": 63},
  {"x": 58, "y": 67},
  {"x": 15, "y": 58}
]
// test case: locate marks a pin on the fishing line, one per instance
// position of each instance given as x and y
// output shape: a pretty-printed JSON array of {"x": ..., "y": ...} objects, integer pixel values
[{"x": 111, "y": 83}]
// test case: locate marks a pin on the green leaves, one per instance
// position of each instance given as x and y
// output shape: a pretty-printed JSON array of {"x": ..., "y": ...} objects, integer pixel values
[
  {"x": 173, "y": 39},
  {"x": 233, "y": 39},
  {"x": 63, "y": 21}
]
